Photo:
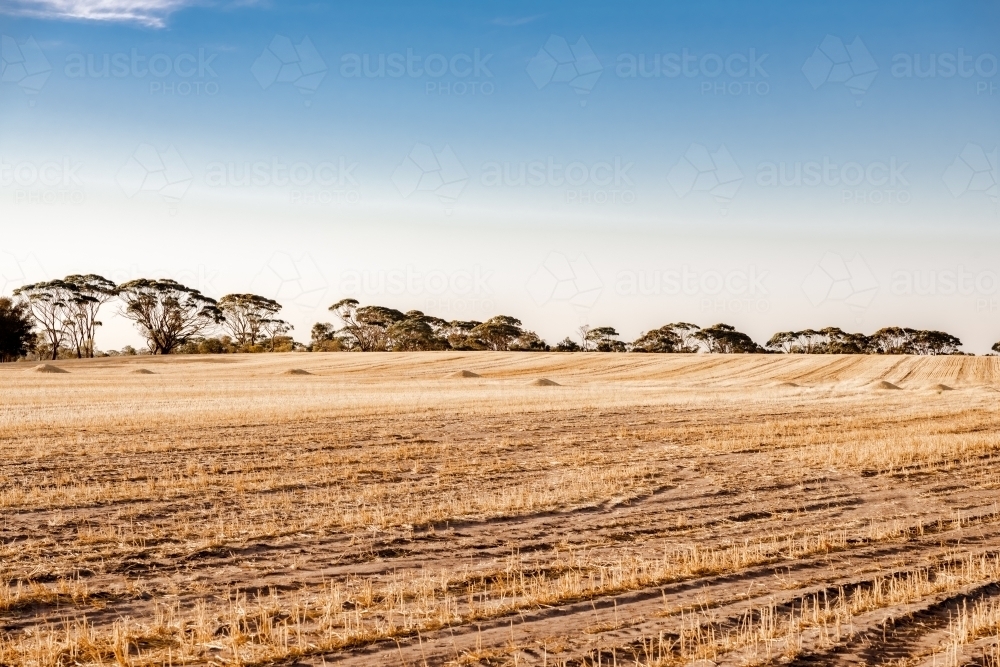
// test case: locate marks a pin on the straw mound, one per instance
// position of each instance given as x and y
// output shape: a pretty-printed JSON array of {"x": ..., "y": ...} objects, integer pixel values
[
  {"x": 465, "y": 374},
  {"x": 47, "y": 368},
  {"x": 142, "y": 371},
  {"x": 882, "y": 384},
  {"x": 544, "y": 382},
  {"x": 941, "y": 387},
  {"x": 296, "y": 371},
  {"x": 787, "y": 384}
]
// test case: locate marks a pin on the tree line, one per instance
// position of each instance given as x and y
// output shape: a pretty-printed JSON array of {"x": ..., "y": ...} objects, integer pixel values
[
  {"x": 377, "y": 328},
  {"x": 59, "y": 318}
]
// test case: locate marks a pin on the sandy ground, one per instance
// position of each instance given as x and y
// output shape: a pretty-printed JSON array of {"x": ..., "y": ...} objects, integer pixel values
[{"x": 382, "y": 509}]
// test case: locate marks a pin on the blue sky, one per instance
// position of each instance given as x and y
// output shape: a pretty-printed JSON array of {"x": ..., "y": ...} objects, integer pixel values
[{"x": 844, "y": 156}]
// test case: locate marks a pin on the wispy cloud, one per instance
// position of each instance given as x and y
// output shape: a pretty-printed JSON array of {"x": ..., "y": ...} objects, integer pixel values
[
  {"x": 151, "y": 13},
  {"x": 514, "y": 21}
]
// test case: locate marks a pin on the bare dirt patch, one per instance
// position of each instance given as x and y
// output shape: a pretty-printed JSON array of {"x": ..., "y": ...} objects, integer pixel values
[
  {"x": 883, "y": 384},
  {"x": 47, "y": 368}
]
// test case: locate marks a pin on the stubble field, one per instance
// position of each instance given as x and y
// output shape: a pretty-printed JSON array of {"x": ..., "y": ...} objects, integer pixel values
[{"x": 380, "y": 509}]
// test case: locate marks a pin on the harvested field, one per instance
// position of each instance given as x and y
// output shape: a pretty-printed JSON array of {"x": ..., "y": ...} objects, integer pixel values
[{"x": 369, "y": 509}]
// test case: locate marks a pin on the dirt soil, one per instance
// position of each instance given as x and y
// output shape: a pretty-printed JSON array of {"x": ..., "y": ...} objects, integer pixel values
[{"x": 389, "y": 509}]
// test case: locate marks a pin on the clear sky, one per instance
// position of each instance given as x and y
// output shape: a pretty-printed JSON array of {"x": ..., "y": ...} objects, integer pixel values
[{"x": 774, "y": 166}]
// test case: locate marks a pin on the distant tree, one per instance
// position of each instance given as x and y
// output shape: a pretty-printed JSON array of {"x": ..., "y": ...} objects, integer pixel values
[
  {"x": 207, "y": 345},
  {"x": 567, "y": 344},
  {"x": 52, "y": 305},
  {"x": 90, "y": 293},
  {"x": 891, "y": 340},
  {"x": 367, "y": 326},
  {"x": 496, "y": 333},
  {"x": 529, "y": 341},
  {"x": 417, "y": 332},
  {"x": 168, "y": 313},
  {"x": 888, "y": 340},
  {"x": 725, "y": 339},
  {"x": 324, "y": 338},
  {"x": 783, "y": 341},
  {"x": 840, "y": 342},
  {"x": 604, "y": 339},
  {"x": 809, "y": 341},
  {"x": 246, "y": 315},
  {"x": 16, "y": 329},
  {"x": 996, "y": 347},
  {"x": 934, "y": 342},
  {"x": 662, "y": 340},
  {"x": 685, "y": 331},
  {"x": 458, "y": 334},
  {"x": 583, "y": 331},
  {"x": 272, "y": 329}
]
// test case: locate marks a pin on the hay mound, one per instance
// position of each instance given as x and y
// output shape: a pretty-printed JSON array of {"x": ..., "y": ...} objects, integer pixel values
[
  {"x": 790, "y": 385},
  {"x": 48, "y": 368},
  {"x": 296, "y": 371},
  {"x": 142, "y": 371},
  {"x": 465, "y": 374},
  {"x": 941, "y": 387},
  {"x": 544, "y": 382},
  {"x": 882, "y": 384}
]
